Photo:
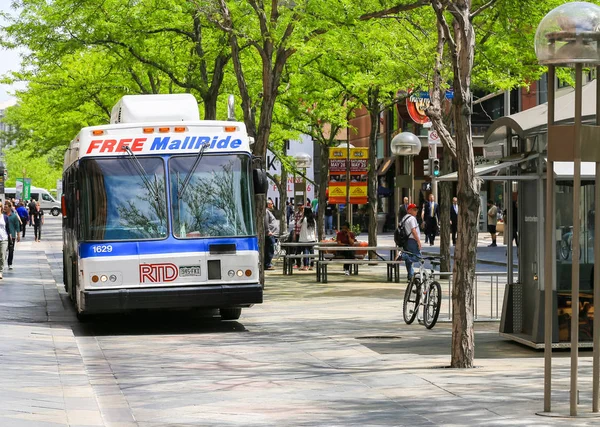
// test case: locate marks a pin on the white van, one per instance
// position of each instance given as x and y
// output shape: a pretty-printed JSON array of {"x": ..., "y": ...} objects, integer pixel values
[{"x": 47, "y": 202}]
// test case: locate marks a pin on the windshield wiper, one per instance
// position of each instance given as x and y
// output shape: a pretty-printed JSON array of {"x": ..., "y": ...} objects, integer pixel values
[
  {"x": 140, "y": 170},
  {"x": 188, "y": 177}
]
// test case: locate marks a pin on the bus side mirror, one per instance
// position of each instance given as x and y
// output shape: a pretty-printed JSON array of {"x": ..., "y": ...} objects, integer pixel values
[
  {"x": 63, "y": 206},
  {"x": 261, "y": 184}
]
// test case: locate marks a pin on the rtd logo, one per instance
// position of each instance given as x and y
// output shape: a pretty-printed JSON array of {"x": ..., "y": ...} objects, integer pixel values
[{"x": 158, "y": 273}]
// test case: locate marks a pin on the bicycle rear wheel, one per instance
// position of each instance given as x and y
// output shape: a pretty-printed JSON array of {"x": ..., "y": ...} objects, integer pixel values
[
  {"x": 432, "y": 307},
  {"x": 411, "y": 300}
]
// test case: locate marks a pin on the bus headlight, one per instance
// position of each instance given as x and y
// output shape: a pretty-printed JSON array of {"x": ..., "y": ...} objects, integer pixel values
[
  {"x": 103, "y": 278},
  {"x": 240, "y": 273}
]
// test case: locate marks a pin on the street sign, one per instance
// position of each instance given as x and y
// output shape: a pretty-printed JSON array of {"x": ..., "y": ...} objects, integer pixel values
[{"x": 433, "y": 138}]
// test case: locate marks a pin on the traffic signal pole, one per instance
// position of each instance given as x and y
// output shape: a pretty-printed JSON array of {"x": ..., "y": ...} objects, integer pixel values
[{"x": 435, "y": 170}]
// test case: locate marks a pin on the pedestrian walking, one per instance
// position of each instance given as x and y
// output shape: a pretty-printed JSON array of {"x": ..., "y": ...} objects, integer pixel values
[
  {"x": 346, "y": 238},
  {"x": 431, "y": 218},
  {"x": 403, "y": 208},
  {"x": 38, "y": 220},
  {"x": 329, "y": 210},
  {"x": 413, "y": 243},
  {"x": 454, "y": 219},
  {"x": 31, "y": 208},
  {"x": 289, "y": 210},
  {"x": 295, "y": 233},
  {"x": 271, "y": 230},
  {"x": 492, "y": 220},
  {"x": 308, "y": 234},
  {"x": 4, "y": 239},
  {"x": 23, "y": 216},
  {"x": 13, "y": 231}
]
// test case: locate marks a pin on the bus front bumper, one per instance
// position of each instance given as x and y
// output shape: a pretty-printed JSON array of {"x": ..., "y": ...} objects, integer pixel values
[{"x": 220, "y": 296}]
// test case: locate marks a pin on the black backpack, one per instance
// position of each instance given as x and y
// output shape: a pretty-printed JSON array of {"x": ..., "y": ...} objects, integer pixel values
[{"x": 400, "y": 235}]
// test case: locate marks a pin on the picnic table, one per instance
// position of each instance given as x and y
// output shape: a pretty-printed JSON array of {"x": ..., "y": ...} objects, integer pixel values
[{"x": 393, "y": 265}]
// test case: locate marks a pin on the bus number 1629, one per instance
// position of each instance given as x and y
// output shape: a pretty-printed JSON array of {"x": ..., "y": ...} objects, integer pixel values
[{"x": 102, "y": 248}]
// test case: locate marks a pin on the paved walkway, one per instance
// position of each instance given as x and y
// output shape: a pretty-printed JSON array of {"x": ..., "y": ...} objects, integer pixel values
[
  {"x": 43, "y": 380},
  {"x": 335, "y": 354}
]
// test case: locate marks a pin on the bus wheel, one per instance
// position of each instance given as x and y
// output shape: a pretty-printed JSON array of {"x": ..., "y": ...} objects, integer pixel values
[
  {"x": 55, "y": 211},
  {"x": 230, "y": 313}
]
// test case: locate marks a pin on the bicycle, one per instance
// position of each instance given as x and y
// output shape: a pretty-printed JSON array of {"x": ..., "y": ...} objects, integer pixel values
[{"x": 422, "y": 291}]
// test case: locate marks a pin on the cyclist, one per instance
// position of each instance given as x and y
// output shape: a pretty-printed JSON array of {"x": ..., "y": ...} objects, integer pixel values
[{"x": 413, "y": 243}]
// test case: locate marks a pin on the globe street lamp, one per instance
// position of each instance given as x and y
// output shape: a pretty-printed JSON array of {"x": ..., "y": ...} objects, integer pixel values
[
  {"x": 303, "y": 161},
  {"x": 569, "y": 36},
  {"x": 405, "y": 144}
]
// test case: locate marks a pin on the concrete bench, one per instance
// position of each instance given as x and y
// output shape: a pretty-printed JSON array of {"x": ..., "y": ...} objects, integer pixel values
[{"x": 393, "y": 267}]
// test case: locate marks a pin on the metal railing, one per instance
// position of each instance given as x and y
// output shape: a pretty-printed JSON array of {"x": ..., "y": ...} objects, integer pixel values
[{"x": 496, "y": 280}]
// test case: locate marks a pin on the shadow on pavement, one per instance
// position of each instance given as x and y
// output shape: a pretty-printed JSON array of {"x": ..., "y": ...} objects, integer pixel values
[
  {"x": 437, "y": 342},
  {"x": 155, "y": 322}
]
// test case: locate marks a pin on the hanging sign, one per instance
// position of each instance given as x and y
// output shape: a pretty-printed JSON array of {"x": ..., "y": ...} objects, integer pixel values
[{"x": 338, "y": 175}]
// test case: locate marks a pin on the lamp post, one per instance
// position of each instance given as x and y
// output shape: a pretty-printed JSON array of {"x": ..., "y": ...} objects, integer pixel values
[
  {"x": 405, "y": 144},
  {"x": 303, "y": 161},
  {"x": 569, "y": 36}
]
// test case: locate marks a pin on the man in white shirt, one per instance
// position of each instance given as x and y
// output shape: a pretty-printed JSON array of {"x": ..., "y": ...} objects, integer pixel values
[
  {"x": 413, "y": 244},
  {"x": 492, "y": 220}
]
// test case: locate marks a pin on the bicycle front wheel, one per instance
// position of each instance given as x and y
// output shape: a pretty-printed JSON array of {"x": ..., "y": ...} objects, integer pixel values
[
  {"x": 412, "y": 297},
  {"x": 565, "y": 249},
  {"x": 432, "y": 307}
]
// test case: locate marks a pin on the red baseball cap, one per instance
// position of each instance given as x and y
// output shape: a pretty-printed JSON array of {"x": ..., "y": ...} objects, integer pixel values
[{"x": 411, "y": 206}]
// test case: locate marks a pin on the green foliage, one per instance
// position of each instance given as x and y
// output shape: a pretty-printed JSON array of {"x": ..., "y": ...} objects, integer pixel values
[
  {"x": 85, "y": 55},
  {"x": 19, "y": 163}
]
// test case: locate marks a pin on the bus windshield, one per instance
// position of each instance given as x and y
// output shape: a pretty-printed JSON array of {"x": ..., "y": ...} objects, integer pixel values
[
  {"x": 216, "y": 202},
  {"x": 116, "y": 203}
]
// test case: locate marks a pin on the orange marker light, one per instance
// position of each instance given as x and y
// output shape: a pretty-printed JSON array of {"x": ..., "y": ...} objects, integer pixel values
[
  {"x": 95, "y": 279},
  {"x": 98, "y": 132},
  {"x": 179, "y": 129},
  {"x": 248, "y": 273},
  {"x": 230, "y": 128},
  {"x": 164, "y": 130},
  {"x": 148, "y": 130}
]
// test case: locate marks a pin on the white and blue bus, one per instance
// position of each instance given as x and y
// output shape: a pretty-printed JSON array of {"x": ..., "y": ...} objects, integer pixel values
[{"x": 158, "y": 211}]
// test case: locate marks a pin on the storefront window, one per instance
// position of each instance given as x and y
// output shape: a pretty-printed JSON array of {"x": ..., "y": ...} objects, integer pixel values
[{"x": 564, "y": 261}]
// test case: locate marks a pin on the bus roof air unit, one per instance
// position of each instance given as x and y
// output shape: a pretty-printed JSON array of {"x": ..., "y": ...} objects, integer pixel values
[{"x": 155, "y": 108}]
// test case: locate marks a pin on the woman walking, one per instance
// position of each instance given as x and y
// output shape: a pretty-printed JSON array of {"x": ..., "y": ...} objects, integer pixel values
[
  {"x": 38, "y": 220},
  {"x": 13, "y": 228},
  {"x": 308, "y": 235}
]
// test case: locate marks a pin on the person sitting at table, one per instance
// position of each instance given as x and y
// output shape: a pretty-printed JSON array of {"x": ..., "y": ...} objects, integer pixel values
[{"x": 346, "y": 238}]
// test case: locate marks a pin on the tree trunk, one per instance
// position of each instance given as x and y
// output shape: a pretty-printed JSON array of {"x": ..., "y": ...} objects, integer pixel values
[
  {"x": 283, "y": 225},
  {"x": 445, "y": 206},
  {"x": 465, "y": 254},
  {"x": 372, "y": 174},
  {"x": 323, "y": 178}
]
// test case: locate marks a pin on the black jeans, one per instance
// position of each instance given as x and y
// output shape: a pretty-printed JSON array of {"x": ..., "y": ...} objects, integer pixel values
[
  {"x": 37, "y": 230},
  {"x": 346, "y": 255},
  {"x": 11, "y": 250},
  {"x": 23, "y": 225}
]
